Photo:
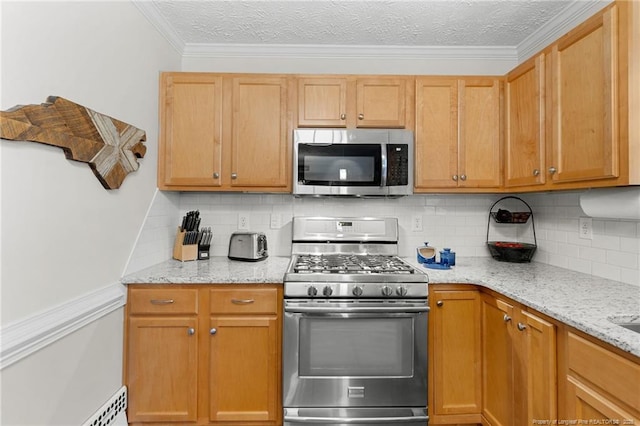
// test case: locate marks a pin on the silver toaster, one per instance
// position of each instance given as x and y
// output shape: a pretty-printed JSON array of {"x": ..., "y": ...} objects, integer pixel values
[{"x": 248, "y": 246}]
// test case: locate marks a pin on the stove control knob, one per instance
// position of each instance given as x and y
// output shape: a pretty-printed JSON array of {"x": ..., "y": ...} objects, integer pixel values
[
  {"x": 327, "y": 291},
  {"x": 312, "y": 291},
  {"x": 401, "y": 291},
  {"x": 357, "y": 291},
  {"x": 387, "y": 291}
]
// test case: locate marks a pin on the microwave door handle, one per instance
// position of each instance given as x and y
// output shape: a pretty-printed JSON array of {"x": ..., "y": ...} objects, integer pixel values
[{"x": 383, "y": 158}]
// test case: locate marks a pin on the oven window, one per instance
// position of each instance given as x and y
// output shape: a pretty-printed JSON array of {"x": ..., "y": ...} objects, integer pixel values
[
  {"x": 339, "y": 164},
  {"x": 372, "y": 347}
]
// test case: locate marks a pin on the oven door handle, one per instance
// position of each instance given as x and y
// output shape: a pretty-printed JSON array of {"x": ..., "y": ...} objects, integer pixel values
[
  {"x": 355, "y": 309},
  {"x": 356, "y": 420}
]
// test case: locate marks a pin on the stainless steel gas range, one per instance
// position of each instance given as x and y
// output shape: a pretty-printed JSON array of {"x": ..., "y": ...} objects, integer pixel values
[{"x": 355, "y": 326}]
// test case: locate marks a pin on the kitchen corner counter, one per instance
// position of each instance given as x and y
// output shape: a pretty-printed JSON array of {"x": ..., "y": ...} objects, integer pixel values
[
  {"x": 212, "y": 271},
  {"x": 582, "y": 301}
]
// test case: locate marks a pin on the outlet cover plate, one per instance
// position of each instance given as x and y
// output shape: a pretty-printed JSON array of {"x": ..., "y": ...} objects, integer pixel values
[{"x": 586, "y": 228}]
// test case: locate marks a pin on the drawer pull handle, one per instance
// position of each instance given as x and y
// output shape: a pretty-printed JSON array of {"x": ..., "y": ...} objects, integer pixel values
[
  {"x": 191, "y": 331},
  {"x": 242, "y": 301},
  {"x": 507, "y": 318},
  {"x": 521, "y": 326},
  {"x": 161, "y": 301},
  {"x": 439, "y": 303},
  {"x": 213, "y": 331}
]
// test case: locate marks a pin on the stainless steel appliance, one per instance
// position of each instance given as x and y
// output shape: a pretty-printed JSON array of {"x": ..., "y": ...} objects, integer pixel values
[
  {"x": 356, "y": 162},
  {"x": 355, "y": 326},
  {"x": 248, "y": 246}
]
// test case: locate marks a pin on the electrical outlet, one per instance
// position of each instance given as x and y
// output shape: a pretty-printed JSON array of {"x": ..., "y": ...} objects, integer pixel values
[
  {"x": 586, "y": 228},
  {"x": 416, "y": 223},
  {"x": 243, "y": 221},
  {"x": 275, "y": 221}
]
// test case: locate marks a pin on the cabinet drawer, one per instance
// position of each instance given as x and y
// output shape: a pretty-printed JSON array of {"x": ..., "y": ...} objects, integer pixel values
[
  {"x": 240, "y": 301},
  {"x": 605, "y": 369},
  {"x": 163, "y": 301}
]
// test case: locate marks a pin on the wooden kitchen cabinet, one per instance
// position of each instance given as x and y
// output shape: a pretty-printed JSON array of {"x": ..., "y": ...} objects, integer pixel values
[
  {"x": 224, "y": 132},
  {"x": 458, "y": 138},
  {"x": 203, "y": 354},
  {"x": 525, "y": 124},
  {"x": 355, "y": 101},
  {"x": 598, "y": 383},
  {"x": 161, "y": 360},
  {"x": 454, "y": 350},
  {"x": 519, "y": 370}
]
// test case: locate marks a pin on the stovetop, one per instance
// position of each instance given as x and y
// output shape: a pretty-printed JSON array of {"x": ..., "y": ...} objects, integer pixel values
[
  {"x": 350, "y": 264},
  {"x": 350, "y": 257}
]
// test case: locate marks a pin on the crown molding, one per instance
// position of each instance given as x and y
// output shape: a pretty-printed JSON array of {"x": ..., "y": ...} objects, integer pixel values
[
  {"x": 574, "y": 14},
  {"x": 497, "y": 53},
  {"x": 155, "y": 18}
]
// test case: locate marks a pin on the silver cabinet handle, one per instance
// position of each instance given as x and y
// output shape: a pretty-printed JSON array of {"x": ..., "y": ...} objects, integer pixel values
[
  {"x": 242, "y": 301},
  {"x": 343, "y": 116},
  {"x": 213, "y": 331},
  {"x": 161, "y": 301},
  {"x": 455, "y": 177},
  {"x": 507, "y": 318},
  {"x": 360, "y": 116},
  {"x": 463, "y": 177},
  {"x": 216, "y": 175},
  {"x": 536, "y": 172},
  {"x": 552, "y": 170},
  {"x": 439, "y": 303},
  {"x": 521, "y": 326},
  {"x": 191, "y": 331},
  {"x": 234, "y": 176}
]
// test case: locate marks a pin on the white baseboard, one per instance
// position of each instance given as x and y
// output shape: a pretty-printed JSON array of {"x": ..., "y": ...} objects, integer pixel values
[{"x": 26, "y": 336}]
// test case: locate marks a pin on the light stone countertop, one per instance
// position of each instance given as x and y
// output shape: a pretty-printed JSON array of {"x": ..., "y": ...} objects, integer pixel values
[{"x": 579, "y": 300}]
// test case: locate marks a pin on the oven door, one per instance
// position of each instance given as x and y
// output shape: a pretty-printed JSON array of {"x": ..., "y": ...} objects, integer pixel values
[{"x": 355, "y": 353}]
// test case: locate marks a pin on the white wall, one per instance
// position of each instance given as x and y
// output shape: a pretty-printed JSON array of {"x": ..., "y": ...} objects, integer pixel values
[{"x": 63, "y": 235}]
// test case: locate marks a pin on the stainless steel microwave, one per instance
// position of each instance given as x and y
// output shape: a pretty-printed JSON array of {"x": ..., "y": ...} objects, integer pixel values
[{"x": 356, "y": 162}]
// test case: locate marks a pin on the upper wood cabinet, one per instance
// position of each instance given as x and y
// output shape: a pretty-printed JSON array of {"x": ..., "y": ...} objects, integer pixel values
[
  {"x": 458, "y": 139},
  {"x": 584, "y": 110},
  {"x": 350, "y": 101},
  {"x": 224, "y": 132},
  {"x": 525, "y": 124}
]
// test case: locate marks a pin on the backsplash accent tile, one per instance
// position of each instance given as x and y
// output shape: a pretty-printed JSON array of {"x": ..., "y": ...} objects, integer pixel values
[{"x": 455, "y": 221}]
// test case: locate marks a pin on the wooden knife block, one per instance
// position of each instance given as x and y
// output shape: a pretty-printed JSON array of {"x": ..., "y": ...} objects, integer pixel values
[{"x": 181, "y": 252}]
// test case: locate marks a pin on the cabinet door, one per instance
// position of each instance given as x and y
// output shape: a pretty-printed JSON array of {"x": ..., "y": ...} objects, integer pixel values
[
  {"x": 190, "y": 137},
  {"x": 259, "y": 139},
  {"x": 380, "y": 102},
  {"x": 584, "y": 103},
  {"x": 244, "y": 373},
  {"x": 322, "y": 102},
  {"x": 162, "y": 369},
  {"x": 497, "y": 361},
  {"x": 480, "y": 147},
  {"x": 538, "y": 348},
  {"x": 525, "y": 124},
  {"x": 436, "y": 136},
  {"x": 455, "y": 355}
]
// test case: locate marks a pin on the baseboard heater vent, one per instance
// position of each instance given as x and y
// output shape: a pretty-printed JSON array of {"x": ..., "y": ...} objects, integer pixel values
[{"x": 112, "y": 412}]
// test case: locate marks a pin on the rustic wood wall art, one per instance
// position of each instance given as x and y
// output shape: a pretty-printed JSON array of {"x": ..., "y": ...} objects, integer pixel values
[{"x": 109, "y": 146}]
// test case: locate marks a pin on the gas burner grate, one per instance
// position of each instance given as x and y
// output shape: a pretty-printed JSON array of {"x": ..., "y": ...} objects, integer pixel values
[{"x": 350, "y": 264}]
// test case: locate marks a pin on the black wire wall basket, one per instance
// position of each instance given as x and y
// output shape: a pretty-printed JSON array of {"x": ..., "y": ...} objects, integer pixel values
[{"x": 517, "y": 249}]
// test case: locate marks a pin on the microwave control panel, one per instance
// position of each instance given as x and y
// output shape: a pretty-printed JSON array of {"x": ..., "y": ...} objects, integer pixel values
[{"x": 397, "y": 164}]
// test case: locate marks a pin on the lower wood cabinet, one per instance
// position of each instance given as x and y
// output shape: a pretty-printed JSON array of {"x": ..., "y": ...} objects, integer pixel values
[
  {"x": 599, "y": 385},
  {"x": 454, "y": 353},
  {"x": 203, "y": 354},
  {"x": 519, "y": 364}
]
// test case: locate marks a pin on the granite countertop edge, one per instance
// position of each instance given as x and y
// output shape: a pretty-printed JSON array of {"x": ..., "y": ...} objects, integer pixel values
[{"x": 582, "y": 301}]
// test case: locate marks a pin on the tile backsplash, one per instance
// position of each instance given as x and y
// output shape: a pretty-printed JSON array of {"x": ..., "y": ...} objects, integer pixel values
[{"x": 456, "y": 221}]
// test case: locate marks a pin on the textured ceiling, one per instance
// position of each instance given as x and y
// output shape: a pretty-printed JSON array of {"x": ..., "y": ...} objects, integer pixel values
[{"x": 375, "y": 23}]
